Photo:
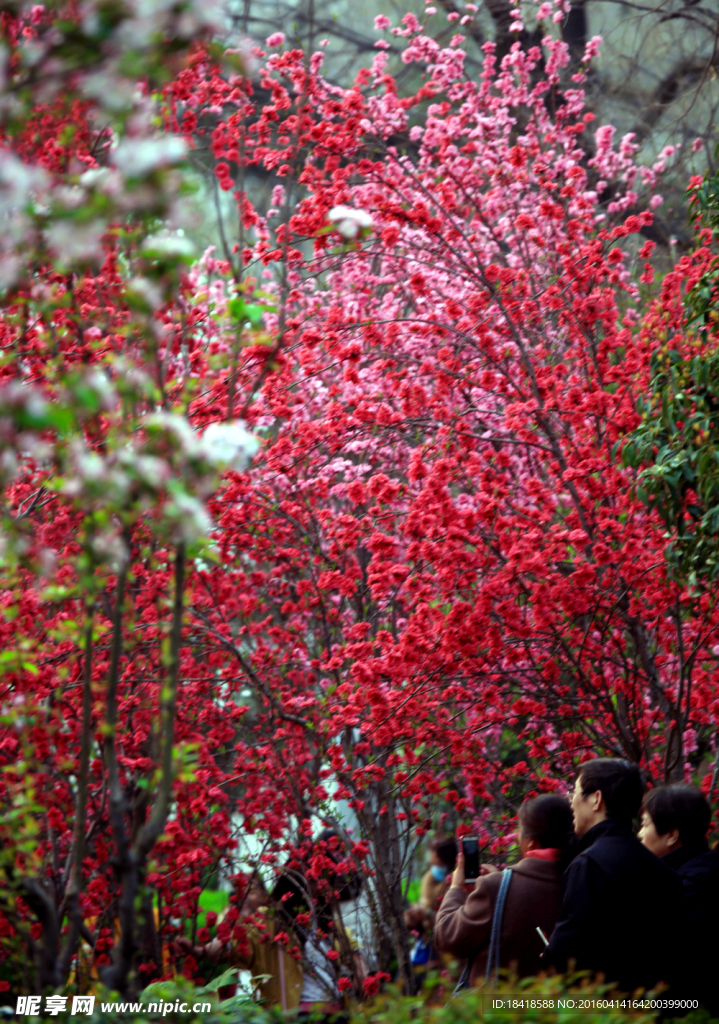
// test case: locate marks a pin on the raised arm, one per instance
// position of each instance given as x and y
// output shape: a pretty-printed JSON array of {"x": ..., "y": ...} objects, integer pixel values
[{"x": 464, "y": 921}]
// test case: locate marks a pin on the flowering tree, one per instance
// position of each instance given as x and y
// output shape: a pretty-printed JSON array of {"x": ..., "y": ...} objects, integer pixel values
[
  {"x": 103, "y": 476},
  {"x": 444, "y": 545},
  {"x": 431, "y": 592}
]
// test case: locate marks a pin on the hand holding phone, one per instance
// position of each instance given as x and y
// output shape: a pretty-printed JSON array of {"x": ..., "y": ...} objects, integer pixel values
[{"x": 470, "y": 849}]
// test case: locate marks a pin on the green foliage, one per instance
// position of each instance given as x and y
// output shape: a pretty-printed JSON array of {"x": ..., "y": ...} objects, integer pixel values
[
  {"x": 535, "y": 1001},
  {"x": 569, "y": 999},
  {"x": 413, "y": 890},
  {"x": 214, "y": 899},
  {"x": 211, "y": 900},
  {"x": 677, "y": 443},
  {"x": 245, "y": 312}
]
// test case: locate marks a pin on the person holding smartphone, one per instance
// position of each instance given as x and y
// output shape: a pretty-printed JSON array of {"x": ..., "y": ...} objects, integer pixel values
[
  {"x": 533, "y": 899},
  {"x": 442, "y": 862}
]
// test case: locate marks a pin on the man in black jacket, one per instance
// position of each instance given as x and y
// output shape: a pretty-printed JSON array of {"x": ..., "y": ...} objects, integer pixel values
[
  {"x": 675, "y": 822},
  {"x": 622, "y": 908}
]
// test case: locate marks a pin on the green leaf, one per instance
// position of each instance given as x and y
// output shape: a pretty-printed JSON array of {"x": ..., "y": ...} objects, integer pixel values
[
  {"x": 236, "y": 308},
  {"x": 229, "y": 977},
  {"x": 254, "y": 314},
  {"x": 244, "y": 312}
]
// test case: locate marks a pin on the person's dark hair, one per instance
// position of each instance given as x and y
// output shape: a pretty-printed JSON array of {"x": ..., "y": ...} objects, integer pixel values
[
  {"x": 446, "y": 849},
  {"x": 619, "y": 782},
  {"x": 682, "y": 807},
  {"x": 548, "y": 820}
]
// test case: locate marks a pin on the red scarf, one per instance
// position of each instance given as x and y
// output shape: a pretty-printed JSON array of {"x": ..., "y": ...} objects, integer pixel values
[{"x": 549, "y": 854}]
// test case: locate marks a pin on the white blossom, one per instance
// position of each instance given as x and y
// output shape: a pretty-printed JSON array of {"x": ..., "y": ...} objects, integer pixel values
[
  {"x": 150, "y": 470},
  {"x": 8, "y": 465},
  {"x": 89, "y": 466},
  {"x": 105, "y": 180},
  {"x": 30, "y": 444},
  {"x": 17, "y": 180},
  {"x": 98, "y": 383},
  {"x": 136, "y": 158},
  {"x": 348, "y": 221},
  {"x": 176, "y": 429},
  {"x": 109, "y": 546},
  {"x": 91, "y": 478},
  {"x": 145, "y": 292},
  {"x": 72, "y": 242},
  {"x": 192, "y": 516},
  {"x": 20, "y": 184},
  {"x": 229, "y": 445},
  {"x": 168, "y": 244}
]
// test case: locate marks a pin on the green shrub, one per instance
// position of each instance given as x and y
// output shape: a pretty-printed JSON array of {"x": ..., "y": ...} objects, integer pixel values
[
  {"x": 570, "y": 999},
  {"x": 560, "y": 999}
]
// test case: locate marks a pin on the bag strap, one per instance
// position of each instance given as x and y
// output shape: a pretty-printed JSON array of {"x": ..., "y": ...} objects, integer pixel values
[
  {"x": 497, "y": 918},
  {"x": 463, "y": 982}
]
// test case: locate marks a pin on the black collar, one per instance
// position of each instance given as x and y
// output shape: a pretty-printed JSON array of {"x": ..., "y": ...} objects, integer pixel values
[
  {"x": 678, "y": 858},
  {"x": 608, "y": 827}
]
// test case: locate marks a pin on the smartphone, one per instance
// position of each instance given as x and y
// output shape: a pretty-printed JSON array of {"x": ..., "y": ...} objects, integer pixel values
[{"x": 470, "y": 849}]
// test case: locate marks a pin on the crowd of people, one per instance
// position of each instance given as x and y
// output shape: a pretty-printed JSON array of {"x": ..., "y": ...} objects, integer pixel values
[
  {"x": 585, "y": 893},
  {"x": 639, "y": 909}
]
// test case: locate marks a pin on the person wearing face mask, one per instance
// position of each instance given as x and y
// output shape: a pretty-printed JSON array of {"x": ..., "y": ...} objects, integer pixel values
[{"x": 442, "y": 861}]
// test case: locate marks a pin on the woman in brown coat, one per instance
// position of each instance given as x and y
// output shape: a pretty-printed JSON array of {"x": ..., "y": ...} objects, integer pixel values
[{"x": 464, "y": 920}]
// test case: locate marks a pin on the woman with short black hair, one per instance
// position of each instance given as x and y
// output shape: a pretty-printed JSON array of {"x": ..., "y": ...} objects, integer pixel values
[
  {"x": 675, "y": 822},
  {"x": 675, "y": 817}
]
